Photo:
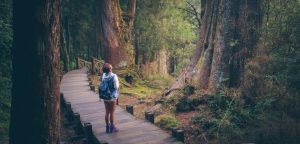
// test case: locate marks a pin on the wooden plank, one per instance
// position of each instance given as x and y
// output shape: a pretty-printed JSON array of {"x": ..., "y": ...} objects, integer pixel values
[{"x": 132, "y": 130}]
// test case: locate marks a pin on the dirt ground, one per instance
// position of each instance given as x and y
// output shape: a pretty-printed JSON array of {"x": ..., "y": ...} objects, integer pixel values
[{"x": 140, "y": 106}]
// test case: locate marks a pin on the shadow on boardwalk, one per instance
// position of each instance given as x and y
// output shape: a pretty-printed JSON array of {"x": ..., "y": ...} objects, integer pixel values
[{"x": 76, "y": 91}]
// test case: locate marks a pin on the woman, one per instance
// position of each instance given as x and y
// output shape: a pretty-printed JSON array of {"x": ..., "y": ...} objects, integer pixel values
[{"x": 110, "y": 104}]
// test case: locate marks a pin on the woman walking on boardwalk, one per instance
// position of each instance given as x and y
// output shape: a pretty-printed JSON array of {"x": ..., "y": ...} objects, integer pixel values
[{"x": 108, "y": 91}]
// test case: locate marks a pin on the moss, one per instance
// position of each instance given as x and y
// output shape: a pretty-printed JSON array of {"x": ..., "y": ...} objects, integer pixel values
[
  {"x": 139, "y": 89},
  {"x": 166, "y": 121},
  {"x": 123, "y": 72}
]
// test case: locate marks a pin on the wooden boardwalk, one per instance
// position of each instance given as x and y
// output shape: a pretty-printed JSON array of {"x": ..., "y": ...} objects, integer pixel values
[{"x": 85, "y": 102}]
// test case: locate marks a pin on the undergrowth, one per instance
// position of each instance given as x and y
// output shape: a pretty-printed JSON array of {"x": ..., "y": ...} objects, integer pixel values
[{"x": 166, "y": 121}]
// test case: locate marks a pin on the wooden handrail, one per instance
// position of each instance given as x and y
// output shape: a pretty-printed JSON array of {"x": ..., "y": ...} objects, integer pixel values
[
  {"x": 95, "y": 66},
  {"x": 81, "y": 63}
]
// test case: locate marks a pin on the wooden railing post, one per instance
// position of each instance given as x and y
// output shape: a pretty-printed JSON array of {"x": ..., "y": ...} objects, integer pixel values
[
  {"x": 174, "y": 131},
  {"x": 146, "y": 116},
  {"x": 69, "y": 111},
  {"x": 129, "y": 108},
  {"x": 149, "y": 116},
  {"x": 93, "y": 66},
  {"x": 78, "y": 126},
  {"x": 180, "y": 135},
  {"x": 77, "y": 62},
  {"x": 62, "y": 100},
  {"x": 88, "y": 132}
]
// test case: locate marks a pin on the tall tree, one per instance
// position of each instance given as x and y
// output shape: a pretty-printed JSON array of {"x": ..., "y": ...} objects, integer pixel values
[
  {"x": 35, "y": 112},
  {"x": 129, "y": 18},
  {"x": 227, "y": 36},
  {"x": 114, "y": 39},
  {"x": 65, "y": 43}
]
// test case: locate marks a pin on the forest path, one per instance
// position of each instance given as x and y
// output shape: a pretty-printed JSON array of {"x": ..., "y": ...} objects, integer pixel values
[{"x": 85, "y": 102}]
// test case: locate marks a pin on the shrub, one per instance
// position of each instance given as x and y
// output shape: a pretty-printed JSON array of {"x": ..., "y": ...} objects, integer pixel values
[{"x": 167, "y": 121}]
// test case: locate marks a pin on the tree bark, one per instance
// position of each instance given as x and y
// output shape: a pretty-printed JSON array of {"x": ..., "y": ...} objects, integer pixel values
[
  {"x": 203, "y": 3},
  {"x": 236, "y": 35},
  {"x": 131, "y": 6},
  {"x": 111, "y": 33},
  {"x": 137, "y": 47},
  {"x": 227, "y": 36},
  {"x": 35, "y": 109}
]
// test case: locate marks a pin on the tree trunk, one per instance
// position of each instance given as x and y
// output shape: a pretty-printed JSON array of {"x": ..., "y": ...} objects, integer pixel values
[
  {"x": 186, "y": 76},
  {"x": 235, "y": 30},
  {"x": 111, "y": 33},
  {"x": 97, "y": 21},
  {"x": 137, "y": 47},
  {"x": 171, "y": 64},
  {"x": 227, "y": 36},
  {"x": 203, "y": 3},
  {"x": 131, "y": 6},
  {"x": 64, "y": 44},
  {"x": 67, "y": 40},
  {"x": 157, "y": 66},
  {"x": 35, "y": 109}
]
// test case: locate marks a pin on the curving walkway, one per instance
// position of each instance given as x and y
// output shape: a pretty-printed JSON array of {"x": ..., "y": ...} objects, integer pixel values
[{"x": 76, "y": 90}]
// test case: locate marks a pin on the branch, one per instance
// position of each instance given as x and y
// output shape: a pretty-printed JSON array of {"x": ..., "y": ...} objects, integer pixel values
[{"x": 198, "y": 18}]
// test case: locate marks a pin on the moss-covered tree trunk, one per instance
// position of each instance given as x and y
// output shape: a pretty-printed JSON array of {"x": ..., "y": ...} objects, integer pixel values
[
  {"x": 227, "y": 36},
  {"x": 35, "y": 109},
  {"x": 235, "y": 28},
  {"x": 115, "y": 32}
]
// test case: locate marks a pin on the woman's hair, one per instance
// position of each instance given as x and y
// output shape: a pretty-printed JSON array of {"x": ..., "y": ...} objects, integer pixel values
[{"x": 107, "y": 68}]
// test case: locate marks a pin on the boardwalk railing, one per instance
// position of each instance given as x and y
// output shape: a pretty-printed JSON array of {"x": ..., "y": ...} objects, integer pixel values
[
  {"x": 81, "y": 63},
  {"x": 94, "y": 66}
]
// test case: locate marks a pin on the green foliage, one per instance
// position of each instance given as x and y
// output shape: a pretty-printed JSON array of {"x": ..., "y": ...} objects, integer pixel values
[
  {"x": 271, "y": 85},
  {"x": 140, "y": 88},
  {"x": 80, "y": 15},
  {"x": 188, "y": 90},
  {"x": 163, "y": 25},
  {"x": 229, "y": 119},
  {"x": 183, "y": 105},
  {"x": 166, "y": 121},
  {"x": 190, "y": 102},
  {"x": 192, "y": 13}
]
